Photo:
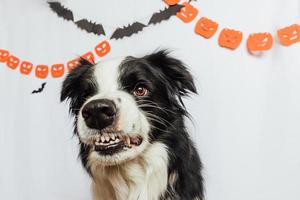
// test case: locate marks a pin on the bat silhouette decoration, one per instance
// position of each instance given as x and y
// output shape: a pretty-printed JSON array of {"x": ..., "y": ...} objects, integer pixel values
[
  {"x": 90, "y": 27},
  {"x": 127, "y": 31},
  {"x": 119, "y": 33},
  {"x": 165, "y": 14},
  {"x": 39, "y": 90},
  {"x": 61, "y": 11}
]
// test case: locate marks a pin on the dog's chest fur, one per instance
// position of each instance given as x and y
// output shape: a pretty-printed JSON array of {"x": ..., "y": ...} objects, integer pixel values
[{"x": 144, "y": 178}]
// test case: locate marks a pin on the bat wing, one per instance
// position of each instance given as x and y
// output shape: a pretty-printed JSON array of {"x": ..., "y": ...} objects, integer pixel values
[
  {"x": 85, "y": 25},
  {"x": 165, "y": 14},
  {"x": 90, "y": 27},
  {"x": 39, "y": 90},
  {"x": 128, "y": 31},
  {"x": 61, "y": 11}
]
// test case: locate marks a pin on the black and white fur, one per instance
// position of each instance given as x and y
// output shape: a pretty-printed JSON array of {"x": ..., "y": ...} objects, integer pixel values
[{"x": 165, "y": 166}]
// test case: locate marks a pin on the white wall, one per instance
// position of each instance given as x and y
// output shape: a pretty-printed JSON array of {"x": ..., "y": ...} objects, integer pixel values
[{"x": 246, "y": 116}]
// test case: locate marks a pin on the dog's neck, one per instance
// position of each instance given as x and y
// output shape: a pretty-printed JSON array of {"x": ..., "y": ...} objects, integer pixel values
[{"x": 145, "y": 177}]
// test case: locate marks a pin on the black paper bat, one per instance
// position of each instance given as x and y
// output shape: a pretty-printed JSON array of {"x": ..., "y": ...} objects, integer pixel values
[
  {"x": 90, "y": 27},
  {"x": 128, "y": 31},
  {"x": 165, "y": 14},
  {"x": 61, "y": 11},
  {"x": 39, "y": 90}
]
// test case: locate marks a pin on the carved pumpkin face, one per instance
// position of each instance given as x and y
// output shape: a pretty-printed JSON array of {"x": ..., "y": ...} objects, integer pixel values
[
  {"x": 171, "y": 2},
  {"x": 230, "y": 39},
  {"x": 57, "y": 70},
  {"x": 260, "y": 42},
  {"x": 73, "y": 63},
  {"x": 41, "y": 71},
  {"x": 12, "y": 62},
  {"x": 289, "y": 35},
  {"x": 187, "y": 13},
  {"x": 3, "y": 55},
  {"x": 206, "y": 27},
  {"x": 26, "y": 67},
  {"x": 102, "y": 48},
  {"x": 89, "y": 56}
]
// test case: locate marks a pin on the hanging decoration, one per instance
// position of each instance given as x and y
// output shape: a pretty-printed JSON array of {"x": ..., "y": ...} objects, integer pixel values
[
  {"x": 40, "y": 89},
  {"x": 57, "y": 70},
  {"x": 207, "y": 28},
  {"x": 289, "y": 35},
  {"x": 230, "y": 38},
  {"x": 164, "y": 14},
  {"x": 127, "y": 31},
  {"x": 119, "y": 32}
]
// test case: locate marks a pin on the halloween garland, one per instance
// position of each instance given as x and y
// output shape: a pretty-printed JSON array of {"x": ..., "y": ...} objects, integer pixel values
[
  {"x": 120, "y": 32},
  {"x": 231, "y": 38},
  {"x": 228, "y": 38}
]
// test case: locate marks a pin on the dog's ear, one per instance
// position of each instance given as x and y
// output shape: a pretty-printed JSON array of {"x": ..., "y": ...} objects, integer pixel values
[
  {"x": 77, "y": 83},
  {"x": 175, "y": 71}
]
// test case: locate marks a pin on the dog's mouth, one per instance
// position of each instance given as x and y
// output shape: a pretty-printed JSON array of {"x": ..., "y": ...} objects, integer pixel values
[{"x": 112, "y": 143}]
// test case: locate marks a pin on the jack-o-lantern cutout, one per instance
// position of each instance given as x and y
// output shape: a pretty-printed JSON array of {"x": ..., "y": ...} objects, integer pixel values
[
  {"x": 89, "y": 56},
  {"x": 41, "y": 71},
  {"x": 260, "y": 42},
  {"x": 26, "y": 67},
  {"x": 171, "y": 2},
  {"x": 57, "y": 70},
  {"x": 12, "y": 62},
  {"x": 230, "y": 38},
  {"x": 206, "y": 27},
  {"x": 3, "y": 55},
  {"x": 187, "y": 13},
  {"x": 289, "y": 35},
  {"x": 73, "y": 63},
  {"x": 102, "y": 48}
]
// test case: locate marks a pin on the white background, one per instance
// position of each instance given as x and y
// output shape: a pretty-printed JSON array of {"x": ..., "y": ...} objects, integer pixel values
[{"x": 246, "y": 118}]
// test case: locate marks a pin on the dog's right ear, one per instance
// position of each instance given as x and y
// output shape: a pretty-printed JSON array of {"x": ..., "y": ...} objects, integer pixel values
[{"x": 78, "y": 83}]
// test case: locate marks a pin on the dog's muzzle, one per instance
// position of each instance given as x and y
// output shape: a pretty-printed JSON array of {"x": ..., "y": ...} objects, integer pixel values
[{"x": 101, "y": 115}]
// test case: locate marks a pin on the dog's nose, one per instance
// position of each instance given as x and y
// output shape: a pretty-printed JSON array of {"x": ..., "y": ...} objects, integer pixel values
[{"x": 99, "y": 114}]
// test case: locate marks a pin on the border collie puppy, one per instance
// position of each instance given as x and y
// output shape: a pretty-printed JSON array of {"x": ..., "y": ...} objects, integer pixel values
[{"x": 129, "y": 118}]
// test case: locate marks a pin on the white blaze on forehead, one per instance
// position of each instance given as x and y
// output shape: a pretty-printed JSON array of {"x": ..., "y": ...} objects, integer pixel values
[{"x": 107, "y": 74}]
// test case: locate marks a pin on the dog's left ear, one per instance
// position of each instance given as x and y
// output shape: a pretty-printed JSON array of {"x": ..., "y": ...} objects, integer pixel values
[{"x": 175, "y": 71}]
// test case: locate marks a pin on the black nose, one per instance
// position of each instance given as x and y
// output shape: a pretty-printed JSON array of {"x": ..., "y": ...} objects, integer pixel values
[{"x": 99, "y": 114}]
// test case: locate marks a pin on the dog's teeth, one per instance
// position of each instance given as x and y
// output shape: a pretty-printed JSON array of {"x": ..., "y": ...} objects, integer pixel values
[
  {"x": 112, "y": 136},
  {"x": 117, "y": 140},
  {"x": 107, "y": 138},
  {"x": 102, "y": 138},
  {"x": 97, "y": 143},
  {"x": 127, "y": 138}
]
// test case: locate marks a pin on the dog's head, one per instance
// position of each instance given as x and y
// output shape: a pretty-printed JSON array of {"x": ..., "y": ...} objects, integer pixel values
[{"x": 122, "y": 106}]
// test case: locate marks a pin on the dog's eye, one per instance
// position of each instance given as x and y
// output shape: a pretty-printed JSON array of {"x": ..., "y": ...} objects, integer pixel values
[{"x": 140, "y": 91}]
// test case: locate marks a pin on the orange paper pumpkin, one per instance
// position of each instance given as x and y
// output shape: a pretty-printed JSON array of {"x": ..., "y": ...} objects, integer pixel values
[
  {"x": 171, "y": 2},
  {"x": 206, "y": 27},
  {"x": 289, "y": 35},
  {"x": 26, "y": 67},
  {"x": 260, "y": 42},
  {"x": 41, "y": 71},
  {"x": 230, "y": 38},
  {"x": 73, "y": 63},
  {"x": 89, "y": 56},
  {"x": 3, "y": 55},
  {"x": 57, "y": 70},
  {"x": 187, "y": 13},
  {"x": 12, "y": 62},
  {"x": 102, "y": 48}
]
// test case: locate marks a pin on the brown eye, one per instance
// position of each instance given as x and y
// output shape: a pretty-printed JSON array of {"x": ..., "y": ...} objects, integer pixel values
[{"x": 140, "y": 91}]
